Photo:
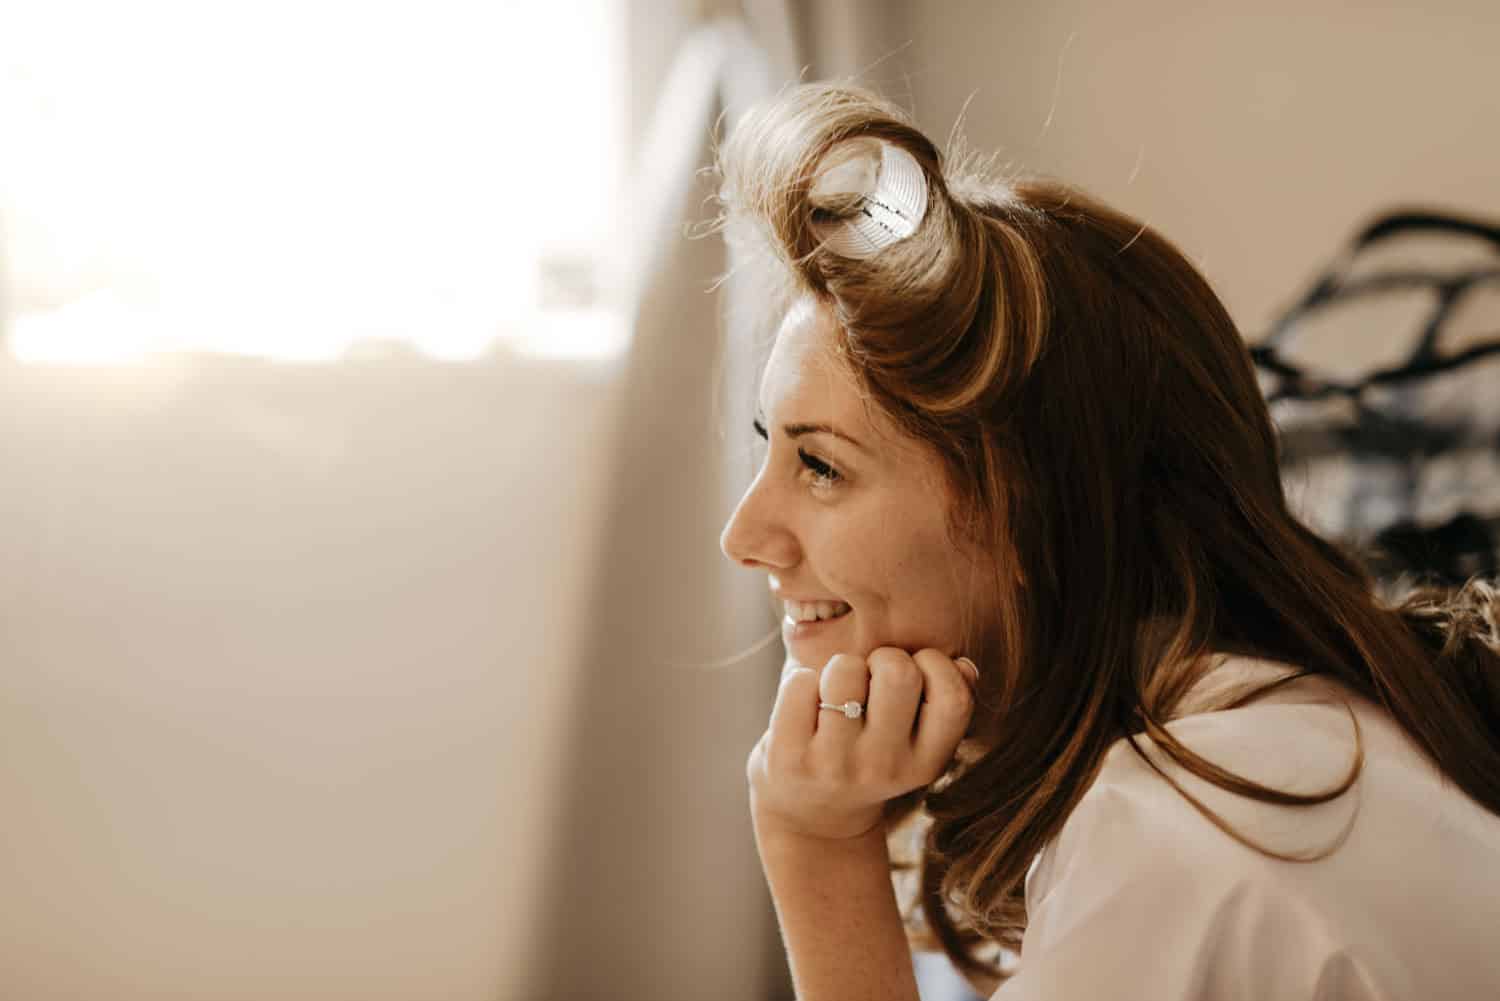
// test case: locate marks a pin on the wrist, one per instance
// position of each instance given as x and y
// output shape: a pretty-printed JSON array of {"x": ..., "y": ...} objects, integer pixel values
[
  {"x": 776, "y": 835},
  {"x": 837, "y": 910}
]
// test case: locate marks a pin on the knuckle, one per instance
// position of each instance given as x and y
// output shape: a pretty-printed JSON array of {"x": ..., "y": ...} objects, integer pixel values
[
  {"x": 845, "y": 667},
  {"x": 888, "y": 656},
  {"x": 899, "y": 674},
  {"x": 797, "y": 676},
  {"x": 844, "y": 662}
]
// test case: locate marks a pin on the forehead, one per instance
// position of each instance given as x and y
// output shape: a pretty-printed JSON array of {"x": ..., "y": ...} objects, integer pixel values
[{"x": 805, "y": 378}]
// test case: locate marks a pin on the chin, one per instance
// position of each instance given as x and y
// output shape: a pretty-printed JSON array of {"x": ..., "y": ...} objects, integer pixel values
[{"x": 813, "y": 644}]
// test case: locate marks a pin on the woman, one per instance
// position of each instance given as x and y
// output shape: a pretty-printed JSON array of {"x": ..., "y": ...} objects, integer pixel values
[{"x": 1012, "y": 428}]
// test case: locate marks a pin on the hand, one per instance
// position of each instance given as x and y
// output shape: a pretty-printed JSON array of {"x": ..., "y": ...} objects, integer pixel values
[{"x": 818, "y": 773}]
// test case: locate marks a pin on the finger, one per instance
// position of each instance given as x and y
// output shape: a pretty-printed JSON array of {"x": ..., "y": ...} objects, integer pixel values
[
  {"x": 944, "y": 715},
  {"x": 896, "y": 685},
  {"x": 787, "y": 667},
  {"x": 845, "y": 678},
  {"x": 794, "y": 717}
]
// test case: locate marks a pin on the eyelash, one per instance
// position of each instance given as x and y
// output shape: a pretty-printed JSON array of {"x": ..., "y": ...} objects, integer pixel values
[{"x": 824, "y": 475}]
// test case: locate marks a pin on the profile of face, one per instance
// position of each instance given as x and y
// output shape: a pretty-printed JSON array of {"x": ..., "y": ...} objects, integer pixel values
[{"x": 848, "y": 514}]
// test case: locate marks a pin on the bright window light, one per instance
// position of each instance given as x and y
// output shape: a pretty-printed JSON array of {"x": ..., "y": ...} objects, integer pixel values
[{"x": 299, "y": 180}]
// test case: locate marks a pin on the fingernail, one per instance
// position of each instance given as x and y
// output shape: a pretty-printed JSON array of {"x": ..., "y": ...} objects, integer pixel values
[{"x": 970, "y": 668}]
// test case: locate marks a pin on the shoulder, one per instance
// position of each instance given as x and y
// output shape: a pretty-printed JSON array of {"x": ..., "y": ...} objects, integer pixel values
[
  {"x": 1139, "y": 873},
  {"x": 1133, "y": 829},
  {"x": 1154, "y": 812}
]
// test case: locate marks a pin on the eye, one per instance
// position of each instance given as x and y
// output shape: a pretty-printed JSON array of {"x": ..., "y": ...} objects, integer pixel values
[{"x": 824, "y": 475}]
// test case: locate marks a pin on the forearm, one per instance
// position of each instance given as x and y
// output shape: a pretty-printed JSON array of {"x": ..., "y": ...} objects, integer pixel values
[{"x": 838, "y": 916}]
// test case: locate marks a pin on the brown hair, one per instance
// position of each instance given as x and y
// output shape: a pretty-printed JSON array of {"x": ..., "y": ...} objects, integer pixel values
[{"x": 1101, "y": 424}]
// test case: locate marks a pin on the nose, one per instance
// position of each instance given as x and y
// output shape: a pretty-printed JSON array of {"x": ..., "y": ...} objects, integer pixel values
[{"x": 757, "y": 536}]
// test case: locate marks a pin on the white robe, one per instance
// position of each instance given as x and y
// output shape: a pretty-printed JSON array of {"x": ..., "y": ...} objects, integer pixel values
[{"x": 1141, "y": 897}]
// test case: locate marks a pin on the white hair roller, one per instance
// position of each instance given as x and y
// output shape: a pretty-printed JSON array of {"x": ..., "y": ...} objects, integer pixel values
[{"x": 878, "y": 191}]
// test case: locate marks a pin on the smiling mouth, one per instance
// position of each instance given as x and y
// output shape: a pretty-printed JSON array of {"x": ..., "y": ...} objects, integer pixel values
[{"x": 810, "y": 613}]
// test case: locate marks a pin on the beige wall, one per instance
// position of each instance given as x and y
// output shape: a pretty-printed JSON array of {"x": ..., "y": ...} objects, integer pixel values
[
  {"x": 1257, "y": 136},
  {"x": 282, "y": 647}
]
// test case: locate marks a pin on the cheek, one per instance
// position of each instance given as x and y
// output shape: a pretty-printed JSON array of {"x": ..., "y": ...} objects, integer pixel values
[
  {"x": 849, "y": 563},
  {"x": 903, "y": 579},
  {"x": 932, "y": 599}
]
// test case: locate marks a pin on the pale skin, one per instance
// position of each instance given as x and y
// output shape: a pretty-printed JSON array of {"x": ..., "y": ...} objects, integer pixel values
[{"x": 848, "y": 509}]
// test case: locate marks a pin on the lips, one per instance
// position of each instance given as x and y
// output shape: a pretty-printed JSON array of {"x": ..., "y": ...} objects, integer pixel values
[{"x": 795, "y": 632}]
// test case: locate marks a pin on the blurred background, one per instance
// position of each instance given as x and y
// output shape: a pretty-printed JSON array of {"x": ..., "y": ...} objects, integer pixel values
[{"x": 372, "y": 395}]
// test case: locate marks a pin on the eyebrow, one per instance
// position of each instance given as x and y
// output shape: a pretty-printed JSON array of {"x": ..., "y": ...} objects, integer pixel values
[{"x": 798, "y": 430}]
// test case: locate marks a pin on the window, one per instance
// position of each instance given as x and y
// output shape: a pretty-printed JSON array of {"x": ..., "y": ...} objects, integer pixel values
[{"x": 309, "y": 180}]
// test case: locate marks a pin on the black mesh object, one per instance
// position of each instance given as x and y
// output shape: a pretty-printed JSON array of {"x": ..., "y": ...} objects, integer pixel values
[{"x": 1384, "y": 383}]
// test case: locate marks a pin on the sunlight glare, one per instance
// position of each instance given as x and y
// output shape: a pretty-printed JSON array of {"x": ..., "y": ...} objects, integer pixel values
[{"x": 287, "y": 179}]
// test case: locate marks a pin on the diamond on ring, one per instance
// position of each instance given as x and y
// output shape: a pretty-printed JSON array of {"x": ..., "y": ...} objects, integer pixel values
[{"x": 851, "y": 709}]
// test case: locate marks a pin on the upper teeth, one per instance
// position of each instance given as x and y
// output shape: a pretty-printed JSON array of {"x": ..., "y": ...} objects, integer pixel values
[{"x": 807, "y": 611}]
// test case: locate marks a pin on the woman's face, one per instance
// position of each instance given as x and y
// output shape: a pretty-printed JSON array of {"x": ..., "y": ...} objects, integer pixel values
[{"x": 848, "y": 514}]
